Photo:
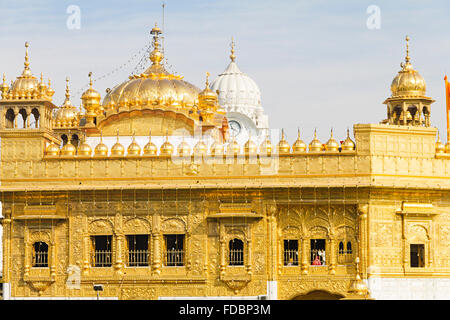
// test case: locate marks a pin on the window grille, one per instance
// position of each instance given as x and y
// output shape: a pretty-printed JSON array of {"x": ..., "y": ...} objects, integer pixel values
[
  {"x": 291, "y": 252},
  {"x": 138, "y": 254},
  {"x": 318, "y": 253},
  {"x": 102, "y": 252},
  {"x": 174, "y": 255},
  {"x": 40, "y": 255},
  {"x": 345, "y": 255},
  {"x": 236, "y": 252}
]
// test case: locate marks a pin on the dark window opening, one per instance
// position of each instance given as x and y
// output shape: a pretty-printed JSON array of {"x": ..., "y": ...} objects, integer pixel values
[
  {"x": 102, "y": 253},
  {"x": 291, "y": 252},
  {"x": 174, "y": 249},
  {"x": 40, "y": 255},
  {"x": 137, "y": 250},
  {"x": 236, "y": 252},
  {"x": 318, "y": 252},
  {"x": 417, "y": 252},
  {"x": 345, "y": 254}
]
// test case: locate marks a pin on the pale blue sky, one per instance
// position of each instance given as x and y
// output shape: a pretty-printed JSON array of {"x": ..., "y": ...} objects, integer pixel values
[{"x": 316, "y": 62}]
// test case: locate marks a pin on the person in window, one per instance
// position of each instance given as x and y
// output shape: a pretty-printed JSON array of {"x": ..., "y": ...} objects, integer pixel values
[{"x": 316, "y": 261}]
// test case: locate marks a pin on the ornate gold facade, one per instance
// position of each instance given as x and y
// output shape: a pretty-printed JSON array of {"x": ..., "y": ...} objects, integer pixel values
[{"x": 370, "y": 201}]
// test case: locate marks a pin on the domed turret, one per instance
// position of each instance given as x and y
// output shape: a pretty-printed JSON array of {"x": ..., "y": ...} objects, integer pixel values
[
  {"x": 217, "y": 148},
  {"x": 84, "y": 149},
  {"x": 233, "y": 147},
  {"x": 91, "y": 103},
  {"x": 440, "y": 147},
  {"x": 133, "y": 149},
  {"x": 250, "y": 147},
  {"x": 348, "y": 143},
  {"x": 166, "y": 147},
  {"x": 283, "y": 145},
  {"x": 332, "y": 144},
  {"x": 266, "y": 147},
  {"x": 315, "y": 145},
  {"x": 408, "y": 104},
  {"x": 117, "y": 149},
  {"x": 200, "y": 148},
  {"x": 183, "y": 149},
  {"x": 52, "y": 150},
  {"x": 150, "y": 148},
  {"x": 299, "y": 146},
  {"x": 68, "y": 149},
  {"x": 207, "y": 99},
  {"x": 67, "y": 114},
  {"x": 101, "y": 149}
]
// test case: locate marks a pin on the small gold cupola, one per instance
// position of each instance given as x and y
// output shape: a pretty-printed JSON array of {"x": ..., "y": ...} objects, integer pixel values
[
  {"x": 299, "y": 146},
  {"x": 134, "y": 149},
  {"x": 440, "y": 147},
  {"x": 150, "y": 148},
  {"x": 183, "y": 149},
  {"x": 266, "y": 147},
  {"x": 52, "y": 150},
  {"x": 315, "y": 145},
  {"x": 332, "y": 144},
  {"x": 166, "y": 147},
  {"x": 4, "y": 87},
  {"x": 67, "y": 114},
  {"x": 117, "y": 149},
  {"x": 84, "y": 149},
  {"x": 348, "y": 143},
  {"x": 101, "y": 149},
  {"x": 91, "y": 103},
  {"x": 68, "y": 149},
  {"x": 207, "y": 99},
  {"x": 283, "y": 145},
  {"x": 217, "y": 148},
  {"x": 250, "y": 147},
  {"x": 200, "y": 149},
  {"x": 233, "y": 147}
]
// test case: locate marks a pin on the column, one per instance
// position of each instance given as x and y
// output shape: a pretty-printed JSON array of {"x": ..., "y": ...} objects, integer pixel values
[
  {"x": 249, "y": 256},
  {"x": 86, "y": 253},
  {"x": 156, "y": 252},
  {"x": 332, "y": 256},
  {"x": 404, "y": 110},
  {"x": 363, "y": 234},
  {"x": 304, "y": 255},
  {"x": 118, "y": 265},
  {"x": 222, "y": 249}
]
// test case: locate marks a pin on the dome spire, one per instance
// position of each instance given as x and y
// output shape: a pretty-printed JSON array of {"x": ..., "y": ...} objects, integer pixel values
[
  {"x": 67, "y": 89},
  {"x": 26, "y": 70},
  {"x": 156, "y": 56},
  {"x": 232, "y": 56},
  {"x": 407, "y": 58}
]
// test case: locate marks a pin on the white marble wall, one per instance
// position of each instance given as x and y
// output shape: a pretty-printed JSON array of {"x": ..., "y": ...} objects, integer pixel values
[{"x": 409, "y": 288}]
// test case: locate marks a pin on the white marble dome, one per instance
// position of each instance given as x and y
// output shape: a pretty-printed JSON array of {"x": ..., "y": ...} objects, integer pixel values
[{"x": 237, "y": 91}]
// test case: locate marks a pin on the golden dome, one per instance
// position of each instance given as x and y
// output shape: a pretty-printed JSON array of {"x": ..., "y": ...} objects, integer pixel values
[
  {"x": 166, "y": 148},
  {"x": 101, "y": 149},
  {"x": 440, "y": 147},
  {"x": 134, "y": 148},
  {"x": 183, "y": 149},
  {"x": 299, "y": 146},
  {"x": 155, "y": 86},
  {"x": 67, "y": 114},
  {"x": 217, "y": 148},
  {"x": 283, "y": 145},
  {"x": 150, "y": 148},
  {"x": 348, "y": 143},
  {"x": 52, "y": 150},
  {"x": 200, "y": 148},
  {"x": 117, "y": 149},
  {"x": 68, "y": 149},
  {"x": 250, "y": 147},
  {"x": 315, "y": 145},
  {"x": 266, "y": 147},
  {"x": 207, "y": 99},
  {"x": 84, "y": 149},
  {"x": 233, "y": 147},
  {"x": 408, "y": 82},
  {"x": 358, "y": 286},
  {"x": 91, "y": 102},
  {"x": 332, "y": 144}
]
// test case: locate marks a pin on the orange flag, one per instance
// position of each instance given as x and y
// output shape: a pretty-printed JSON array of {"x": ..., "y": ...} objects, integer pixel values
[{"x": 447, "y": 98}]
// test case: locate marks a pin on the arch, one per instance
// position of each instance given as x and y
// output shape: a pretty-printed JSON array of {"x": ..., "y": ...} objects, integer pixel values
[
  {"x": 173, "y": 225},
  {"x": 24, "y": 115},
  {"x": 9, "y": 118},
  {"x": 36, "y": 118},
  {"x": 101, "y": 227},
  {"x": 136, "y": 225},
  {"x": 236, "y": 252},
  {"x": 64, "y": 139},
  {"x": 40, "y": 254},
  {"x": 318, "y": 295},
  {"x": 75, "y": 140}
]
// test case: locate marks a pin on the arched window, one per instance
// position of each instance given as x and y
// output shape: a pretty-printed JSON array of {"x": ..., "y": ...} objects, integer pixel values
[
  {"x": 9, "y": 118},
  {"x": 349, "y": 247},
  {"x": 64, "y": 139},
  {"x": 345, "y": 253},
  {"x": 40, "y": 254},
  {"x": 23, "y": 113},
  {"x": 35, "y": 122},
  {"x": 236, "y": 254},
  {"x": 341, "y": 247},
  {"x": 75, "y": 140}
]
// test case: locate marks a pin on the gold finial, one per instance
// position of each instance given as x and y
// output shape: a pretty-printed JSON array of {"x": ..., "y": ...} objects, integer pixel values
[
  {"x": 27, "y": 59},
  {"x": 42, "y": 77},
  {"x": 67, "y": 89},
  {"x": 315, "y": 133},
  {"x": 407, "y": 49},
  {"x": 232, "y": 56},
  {"x": 117, "y": 135},
  {"x": 101, "y": 136},
  {"x": 90, "y": 79},
  {"x": 207, "y": 79},
  {"x": 331, "y": 133},
  {"x": 156, "y": 56},
  {"x": 282, "y": 134}
]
